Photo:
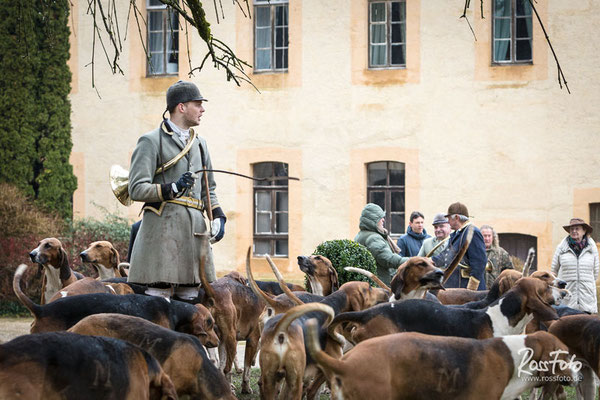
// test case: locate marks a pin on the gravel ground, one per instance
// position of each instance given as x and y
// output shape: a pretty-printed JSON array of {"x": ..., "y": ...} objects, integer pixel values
[{"x": 10, "y": 328}]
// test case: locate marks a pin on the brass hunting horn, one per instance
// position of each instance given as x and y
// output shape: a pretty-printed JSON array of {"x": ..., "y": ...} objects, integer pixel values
[{"x": 119, "y": 176}]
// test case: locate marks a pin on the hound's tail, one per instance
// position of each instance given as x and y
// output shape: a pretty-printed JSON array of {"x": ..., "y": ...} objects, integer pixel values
[
  {"x": 34, "y": 308},
  {"x": 271, "y": 302},
  {"x": 296, "y": 312},
  {"x": 369, "y": 275},
  {"x": 282, "y": 283},
  {"x": 324, "y": 360}
]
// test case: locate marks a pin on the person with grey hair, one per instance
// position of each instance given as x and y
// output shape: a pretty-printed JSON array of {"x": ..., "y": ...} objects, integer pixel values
[
  {"x": 173, "y": 236},
  {"x": 498, "y": 259},
  {"x": 441, "y": 229},
  {"x": 471, "y": 268}
]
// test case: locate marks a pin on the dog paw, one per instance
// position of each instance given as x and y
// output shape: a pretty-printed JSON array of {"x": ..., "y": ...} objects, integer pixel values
[{"x": 246, "y": 388}]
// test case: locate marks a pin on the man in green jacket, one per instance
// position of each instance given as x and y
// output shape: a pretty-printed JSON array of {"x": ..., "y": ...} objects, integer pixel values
[{"x": 375, "y": 238}]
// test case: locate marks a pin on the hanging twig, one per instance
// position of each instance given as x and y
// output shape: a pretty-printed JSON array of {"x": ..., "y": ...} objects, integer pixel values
[
  {"x": 464, "y": 15},
  {"x": 560, "y": 74}
]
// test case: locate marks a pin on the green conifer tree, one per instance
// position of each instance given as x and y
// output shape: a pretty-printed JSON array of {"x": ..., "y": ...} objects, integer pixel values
[{"x": 35, "y": 143}]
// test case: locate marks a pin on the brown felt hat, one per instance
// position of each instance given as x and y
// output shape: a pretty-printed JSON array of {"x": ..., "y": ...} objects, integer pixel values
[
  {"x": 457, "y": 208},
  {"x": 578, "y": 221}
]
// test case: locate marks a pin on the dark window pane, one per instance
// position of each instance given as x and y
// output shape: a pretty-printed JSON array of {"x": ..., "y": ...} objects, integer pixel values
[
  {"x": 501, "y": 50},
  {"x": 280, "y": 15},
  {"x": 262, "y": 247},
  {"x": 398, "y": 57},
  {"x": 279, "y": 37},
  {"x": 281, "y": 222},
  {"x": 595, "y": 220},
  {"x": 523, "y": 8},
  {"x": 502, "y": 8},
  {"x": 397, "y": 201},
  {"x": 377, "y": 198},
  {"x": 285, "y": 59},
  {"x": 397, "y": 224},
  {"x": 396, "y": 173},
  {"x": 523, "y": 50},
  {"x": 281, "y": 200},
  {"x": 398, "y": 33},
  {"x": 398, "y": 11},
  {"x": 378, "y": 55},
  {"x": 281, "y": 247},
  {"x": 378, "y": 12},
  {"x": 280, "y": 169},
  {"x": 523, "y": 28},
  {"x": 156, "y": 3},
  {"x": 376, "y": 174},
  {"x": 172, "y": 21}
]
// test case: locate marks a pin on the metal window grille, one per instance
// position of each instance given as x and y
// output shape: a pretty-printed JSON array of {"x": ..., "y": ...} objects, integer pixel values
[
  {"x": 163, "y": 39},
  {"x": 271, "y": 209},
  {"x": 512, "y": 34},
  {"x": 386, "y": 188},
  {"x": 387, "y": 34},
  {"x": 271, "y": 31}
]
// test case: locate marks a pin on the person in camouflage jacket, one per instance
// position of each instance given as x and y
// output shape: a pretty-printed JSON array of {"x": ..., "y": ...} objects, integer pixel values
[{"x": 498, "y": 259}]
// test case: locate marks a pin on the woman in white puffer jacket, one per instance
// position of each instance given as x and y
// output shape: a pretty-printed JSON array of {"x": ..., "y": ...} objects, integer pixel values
[{"x": 576, "y": 262}]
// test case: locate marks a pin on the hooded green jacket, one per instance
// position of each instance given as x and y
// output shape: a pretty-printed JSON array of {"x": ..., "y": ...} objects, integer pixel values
[{"x": 376, "y": 242}]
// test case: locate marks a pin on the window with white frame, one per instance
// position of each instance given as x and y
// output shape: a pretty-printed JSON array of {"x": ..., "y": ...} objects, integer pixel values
[
  {"x": 387, "y": 34},
  {"x": 163, "y": 39},
  {"x": 271, "y": 26},
  {"x": 595, "y": 221},
  {"x": 385, "y": 187},
  {"x": 512, "y": 31},
  {"x": 271, "y": 209}
]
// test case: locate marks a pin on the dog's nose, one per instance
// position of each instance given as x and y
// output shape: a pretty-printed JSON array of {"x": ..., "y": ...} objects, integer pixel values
[
  {"x": 32, "y": 255},
  {"x": 438, "y": 272},
  {"x": 301, "y": 258},
  {"x": 83, "y": 256},
  {"x": 561, "y": 284}
]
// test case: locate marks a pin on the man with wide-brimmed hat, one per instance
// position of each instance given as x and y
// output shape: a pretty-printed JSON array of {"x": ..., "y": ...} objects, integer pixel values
[
  {"x": 173, "y": 236},
  {"x": 576, "y": 262},
  {"x": 441, "y": 230},
  {"x": 471, "y": 269}
]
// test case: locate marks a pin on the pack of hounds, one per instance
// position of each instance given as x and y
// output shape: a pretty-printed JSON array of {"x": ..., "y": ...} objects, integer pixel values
[{"x": 104, "y": 339}]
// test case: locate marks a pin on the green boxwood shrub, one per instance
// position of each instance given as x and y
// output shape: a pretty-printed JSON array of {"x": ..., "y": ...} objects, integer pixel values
[{"x": 347, "y": 253}]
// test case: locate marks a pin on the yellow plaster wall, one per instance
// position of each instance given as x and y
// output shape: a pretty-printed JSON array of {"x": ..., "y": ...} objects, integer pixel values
[{"x": 521, "y": 153}]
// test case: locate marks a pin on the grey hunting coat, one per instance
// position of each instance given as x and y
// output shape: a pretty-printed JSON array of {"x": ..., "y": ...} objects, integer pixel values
[{"x": 169, "y": 244}]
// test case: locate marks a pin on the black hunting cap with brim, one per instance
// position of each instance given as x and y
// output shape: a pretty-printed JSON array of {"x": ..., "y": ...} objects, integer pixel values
[
  {"x": 182, "y": 92},
  {"x": 457, "y": 208},
  {"x": 578, "y": 221}
]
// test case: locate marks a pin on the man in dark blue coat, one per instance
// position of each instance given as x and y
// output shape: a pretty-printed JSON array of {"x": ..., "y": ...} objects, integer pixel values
[
  {"x": 411, "y": 242},
  {"x": 470, "y": 272}
]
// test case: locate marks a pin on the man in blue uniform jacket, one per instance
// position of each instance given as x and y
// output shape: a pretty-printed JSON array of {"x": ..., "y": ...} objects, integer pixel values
[{"x": 470, "y": 272}]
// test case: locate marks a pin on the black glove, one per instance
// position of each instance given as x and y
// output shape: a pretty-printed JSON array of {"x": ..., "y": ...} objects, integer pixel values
[
  {"x": 217, "y": 229},
  {"x": 185, "y": 182}
]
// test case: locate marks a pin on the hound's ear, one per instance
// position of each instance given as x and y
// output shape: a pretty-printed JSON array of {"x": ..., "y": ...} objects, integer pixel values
[
  {"x": 397, "y": 284},
  {"x": 505, "y": 284},
  {"x": 542, "y": 310},
  {"x": 333, "y": 275},
  {"x": 114, "y": 257},
  {"x": 63, "y": 264},
  {"x": 210, "y": 302}
]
